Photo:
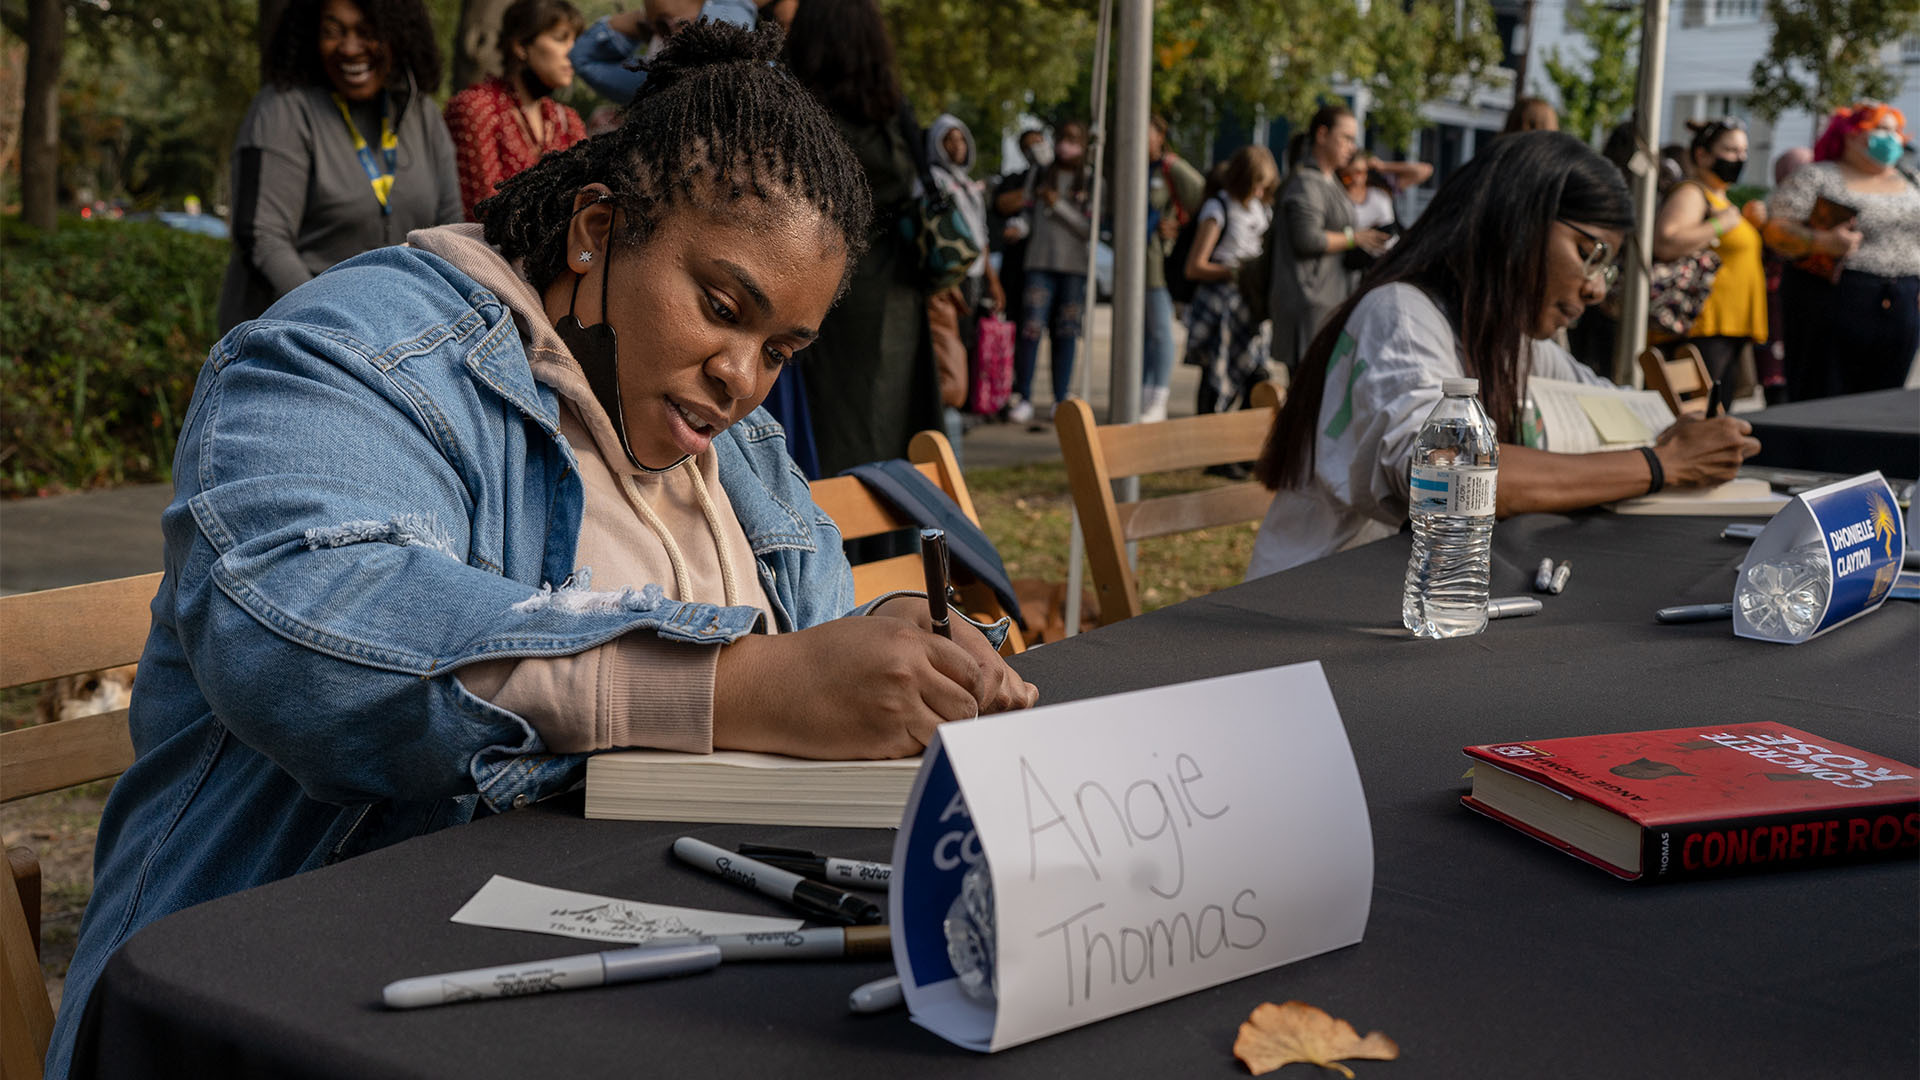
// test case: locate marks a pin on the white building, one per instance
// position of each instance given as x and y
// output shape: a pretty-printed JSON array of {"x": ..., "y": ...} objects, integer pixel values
[{"x": 1712, "y": 46}]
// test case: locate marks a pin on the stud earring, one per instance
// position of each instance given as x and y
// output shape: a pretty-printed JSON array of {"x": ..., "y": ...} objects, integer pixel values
[{"x": 586, "y": 256}]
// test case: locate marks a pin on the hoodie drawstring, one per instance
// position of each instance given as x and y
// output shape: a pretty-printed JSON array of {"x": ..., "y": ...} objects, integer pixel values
[{"x": 682, "y": 587}]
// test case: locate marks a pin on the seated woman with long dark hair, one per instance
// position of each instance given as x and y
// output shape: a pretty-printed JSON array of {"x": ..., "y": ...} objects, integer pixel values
[
  {"x": 1514, "y": 247},
  {"x": 466, "y": 511}
]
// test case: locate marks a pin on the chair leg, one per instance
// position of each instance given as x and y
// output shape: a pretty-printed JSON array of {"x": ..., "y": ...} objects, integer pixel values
[
  {"x": 26, "y": 1014},
  {"x": 24, "y": 865}
]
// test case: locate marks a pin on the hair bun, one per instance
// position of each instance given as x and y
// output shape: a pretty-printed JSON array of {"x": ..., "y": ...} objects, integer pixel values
[{"x": 710, "y": 43}]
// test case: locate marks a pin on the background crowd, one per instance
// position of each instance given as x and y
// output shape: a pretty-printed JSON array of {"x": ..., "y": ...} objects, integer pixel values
[{"x": 1808, "y": 293}]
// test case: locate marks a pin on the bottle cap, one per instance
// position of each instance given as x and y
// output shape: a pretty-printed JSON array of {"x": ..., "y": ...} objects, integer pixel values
[{"x": 1459, "y": 385}]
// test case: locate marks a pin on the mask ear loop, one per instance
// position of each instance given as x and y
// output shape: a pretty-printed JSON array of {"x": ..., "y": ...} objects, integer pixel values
[{"x": 597, "y": 350}]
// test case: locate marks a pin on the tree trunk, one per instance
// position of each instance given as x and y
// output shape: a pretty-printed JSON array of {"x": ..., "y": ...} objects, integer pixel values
[
  {"x": 476, "y": 48},
  {"x": 40, "y": 118}
]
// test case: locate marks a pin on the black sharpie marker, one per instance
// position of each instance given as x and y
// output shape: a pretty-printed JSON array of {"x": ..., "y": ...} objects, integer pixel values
[
  {"x": 853, "y": 873},
  {"x": 814, "y": 897}
]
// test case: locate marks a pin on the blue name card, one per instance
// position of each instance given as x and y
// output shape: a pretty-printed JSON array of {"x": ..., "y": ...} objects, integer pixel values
[{"x": 1856, "y": 527}]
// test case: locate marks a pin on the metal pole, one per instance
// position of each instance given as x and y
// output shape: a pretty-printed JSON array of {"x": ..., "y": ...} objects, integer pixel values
[
  {"x": 1645, "y": 171},
  {"x": 1097, "y": 137},
  {"x": 1130, "y": 210}
]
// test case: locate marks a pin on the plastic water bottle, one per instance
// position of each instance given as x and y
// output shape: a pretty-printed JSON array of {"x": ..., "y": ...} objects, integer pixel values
[
  {"x": 1787, "y": 595},
  {"x": 1455, "y": 460}
]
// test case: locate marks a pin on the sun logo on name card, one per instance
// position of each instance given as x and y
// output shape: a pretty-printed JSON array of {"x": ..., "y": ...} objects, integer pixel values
[{"x": 1881, "y": 515}]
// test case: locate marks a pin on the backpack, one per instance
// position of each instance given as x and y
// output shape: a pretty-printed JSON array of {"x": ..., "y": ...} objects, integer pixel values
[
  {"x": 1179, "y": 285},
  {"x": 1254, "y": 277}
]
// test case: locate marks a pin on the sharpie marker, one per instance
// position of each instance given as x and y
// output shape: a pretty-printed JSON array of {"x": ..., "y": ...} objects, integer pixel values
[
  {"x": 1508, "y": 607},
  {"x": 815, "y": 897},
  {"x": 546, "y": 976},
  {"x": 854, "y": 873},
  {"x": 814, "y": 943},
  {"x": 1560, "y": 575},
  {"x": 877, "y": 996},
  {"x": 1543, "y": 577},
  {"x": 1694, "y": 613}
]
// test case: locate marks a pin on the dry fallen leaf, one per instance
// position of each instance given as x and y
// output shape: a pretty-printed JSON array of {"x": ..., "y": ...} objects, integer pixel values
[{"x": 1276, "y": 1035}]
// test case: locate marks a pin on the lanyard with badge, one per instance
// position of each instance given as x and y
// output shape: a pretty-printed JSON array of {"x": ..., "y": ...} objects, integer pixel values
[{"x": 379, "y": 170}]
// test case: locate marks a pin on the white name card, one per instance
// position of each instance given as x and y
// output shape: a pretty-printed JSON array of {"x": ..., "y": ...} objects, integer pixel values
[{"x": 1141, "y": 847}]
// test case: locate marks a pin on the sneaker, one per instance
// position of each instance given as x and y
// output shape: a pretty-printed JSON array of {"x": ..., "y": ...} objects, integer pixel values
[
  {"x": 1154, "y": 409},
  {"x": 1020, "y": 411}
]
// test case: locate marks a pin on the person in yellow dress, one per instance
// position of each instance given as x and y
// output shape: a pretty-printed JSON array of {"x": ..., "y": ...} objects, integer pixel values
[{"x": 1697, "y": 214}]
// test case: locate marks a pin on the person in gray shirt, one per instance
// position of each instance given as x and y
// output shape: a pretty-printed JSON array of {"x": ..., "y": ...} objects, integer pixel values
[
  {"x": 341, "y": 152},
  {"x": 1310, "y": 275}
]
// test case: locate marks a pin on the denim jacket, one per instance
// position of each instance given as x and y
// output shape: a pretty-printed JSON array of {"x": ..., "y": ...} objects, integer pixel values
[
  {"x": 601, "y": 53},
  {"x": 370, "y": 493}
]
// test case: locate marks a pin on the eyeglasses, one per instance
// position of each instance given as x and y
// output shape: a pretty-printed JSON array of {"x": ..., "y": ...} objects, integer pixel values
[{"x": 1597, "y": 262}]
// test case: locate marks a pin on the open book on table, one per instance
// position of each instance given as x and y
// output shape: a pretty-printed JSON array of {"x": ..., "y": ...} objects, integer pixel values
[{"x": 1583, "y": 419}]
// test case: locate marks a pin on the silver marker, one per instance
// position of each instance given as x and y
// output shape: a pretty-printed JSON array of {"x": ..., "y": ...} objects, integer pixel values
[
  {"x": 1543, "y": 577},
  {"x": 814, "y": 943},
  {"x": 1508, "y": 607},
  {"x": 1560, "y": 576},
  {"x": 877, "y": 996},
  {"x": 545, "y": 976}
]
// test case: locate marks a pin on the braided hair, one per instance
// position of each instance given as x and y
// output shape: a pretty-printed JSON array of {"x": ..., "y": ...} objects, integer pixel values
[{"x": 715, "y": 122}]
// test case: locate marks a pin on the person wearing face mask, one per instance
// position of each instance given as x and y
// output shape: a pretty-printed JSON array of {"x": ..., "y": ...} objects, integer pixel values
[
  {"x": 1696, "y": 215},
  {"x": 603, "y": 55},
  {"x": 504, "y": 123},
  {"x": 1514, "y": 246},
  {"x": 1858, "y": 333},
  {"x": 1054, "y": 297},
  {"x": 341, "y": 151},
  {"x": 470, "y": 510}
]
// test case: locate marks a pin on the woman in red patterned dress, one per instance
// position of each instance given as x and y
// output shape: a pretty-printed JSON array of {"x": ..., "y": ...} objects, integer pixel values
[{"x": 505, "y": 122}]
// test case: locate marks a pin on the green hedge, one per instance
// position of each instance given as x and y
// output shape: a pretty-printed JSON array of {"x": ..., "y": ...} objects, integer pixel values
[{"x": 103, "y": 327}]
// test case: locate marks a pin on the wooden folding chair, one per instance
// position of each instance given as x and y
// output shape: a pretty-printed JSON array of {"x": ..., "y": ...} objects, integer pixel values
[
  {"x": 860, "y": 513},
  {"x": 1098, "y": 455},
  {"x": 49, "y": 635},
  {"x": 1683, "y": 380}
]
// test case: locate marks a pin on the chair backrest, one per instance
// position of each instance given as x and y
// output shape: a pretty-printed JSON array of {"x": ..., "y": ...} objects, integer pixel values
[
  {"x": 860, "y": 513},
  {"x": 1098, "y": 455},
  {"x": 1683, "y": 381},
  {"x": 51, "y": 635}
]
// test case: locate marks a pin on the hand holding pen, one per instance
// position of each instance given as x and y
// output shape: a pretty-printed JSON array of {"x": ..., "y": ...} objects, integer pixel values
[{"x": 933, "y": 559}]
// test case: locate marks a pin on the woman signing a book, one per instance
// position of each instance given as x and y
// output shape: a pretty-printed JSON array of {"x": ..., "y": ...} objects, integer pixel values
[
  {"x": 469, "y": 510},
  {"x": 1515, "y": 246}
]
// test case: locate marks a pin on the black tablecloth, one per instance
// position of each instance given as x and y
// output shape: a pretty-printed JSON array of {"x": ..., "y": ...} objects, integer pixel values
[
  {"x": 1852, "y": 434},
  {"x": 1486, "y": 954}
]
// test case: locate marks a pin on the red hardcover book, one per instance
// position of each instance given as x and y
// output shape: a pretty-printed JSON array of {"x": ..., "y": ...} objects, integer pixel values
[{"x": 1698, "y": 801}]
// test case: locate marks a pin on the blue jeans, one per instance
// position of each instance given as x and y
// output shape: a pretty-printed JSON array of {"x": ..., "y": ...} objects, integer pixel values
[
  {"x": 1156, "y": 359},
  {"x": 1052, "y": 306}
]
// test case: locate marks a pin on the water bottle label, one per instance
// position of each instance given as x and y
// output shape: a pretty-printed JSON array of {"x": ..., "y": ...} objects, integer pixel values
[{"x": 1460, "y": 492}]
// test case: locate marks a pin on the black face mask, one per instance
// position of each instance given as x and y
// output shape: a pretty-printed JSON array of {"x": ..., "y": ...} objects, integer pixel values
[
  {"x": 1728, "y": 171},
  {"x": 534, "y": 85},
  {"x": 597, "y": 352}
]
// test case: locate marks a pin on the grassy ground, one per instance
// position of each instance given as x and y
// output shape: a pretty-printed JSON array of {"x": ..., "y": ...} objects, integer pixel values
[{"x": 1024, "y": 510}]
